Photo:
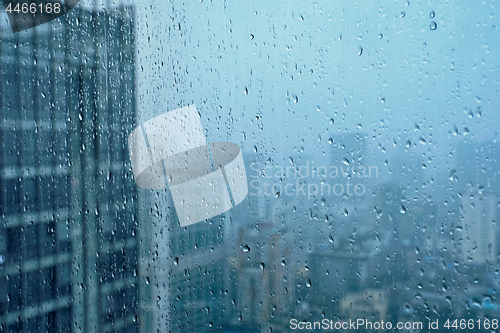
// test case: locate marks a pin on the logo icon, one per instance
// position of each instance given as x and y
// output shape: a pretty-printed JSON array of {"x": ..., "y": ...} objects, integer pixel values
[
  {"x": 205, "y": 180},
  {"x": 26, "y": 14}
]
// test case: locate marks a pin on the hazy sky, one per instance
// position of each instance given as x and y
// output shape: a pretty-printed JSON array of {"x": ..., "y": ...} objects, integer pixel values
[
  {"x": 285, "y": 77},
  {"x": 275, "y": 74}
]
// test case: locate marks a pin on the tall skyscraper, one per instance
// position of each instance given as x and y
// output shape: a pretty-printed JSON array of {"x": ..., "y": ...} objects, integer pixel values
[
  {"x": 349, "y": 173},
  {"x": 68, "y": 238},
  {"x": 478, "y": 225},
  {"x": 183, "y": 269},
  {"x": 478, "y": 181},
  {"x": 477, "y": 164}
]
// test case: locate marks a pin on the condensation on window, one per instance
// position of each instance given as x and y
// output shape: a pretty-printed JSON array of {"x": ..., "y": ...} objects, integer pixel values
[{"x": 231, "y": 166}]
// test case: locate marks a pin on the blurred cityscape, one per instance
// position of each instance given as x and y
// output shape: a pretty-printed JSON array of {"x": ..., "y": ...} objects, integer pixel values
[
  {"x": 342, "y": 236},
  {"x": 393, "y": 254}
]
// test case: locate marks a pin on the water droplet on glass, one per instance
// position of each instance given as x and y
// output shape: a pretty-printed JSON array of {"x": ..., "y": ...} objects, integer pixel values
[
  {"x": 432, "y": 14},
  {"x": 433, "y": 25},
  {"x": 246, "y": 248},
  {"x": 476, "y": 302}
]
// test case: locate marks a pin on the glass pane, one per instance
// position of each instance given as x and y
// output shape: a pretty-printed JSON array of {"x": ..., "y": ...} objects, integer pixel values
[{"x": 249, "y": 166}]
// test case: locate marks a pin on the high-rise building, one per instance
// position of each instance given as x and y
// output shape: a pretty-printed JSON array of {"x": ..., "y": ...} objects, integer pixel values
[
  {"x": 183, "y": 269},
  {"x": 478, "y": 225},
  {"x": 350, "y": 175},
  {"x": 478, "y": 181},
  {"x": 477, "y": 164},
  {"x": 261, "y": 278},
  {"x": 68, "y": 240}
]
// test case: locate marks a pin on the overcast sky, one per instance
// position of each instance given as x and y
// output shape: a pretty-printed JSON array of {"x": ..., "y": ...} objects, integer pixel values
[
  {"x": 285, "y": 77},
  {"x": 273, "y": 76}
]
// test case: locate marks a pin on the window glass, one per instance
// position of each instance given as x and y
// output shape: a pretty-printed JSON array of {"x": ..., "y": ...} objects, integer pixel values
[{"x": 249, "y": 166}]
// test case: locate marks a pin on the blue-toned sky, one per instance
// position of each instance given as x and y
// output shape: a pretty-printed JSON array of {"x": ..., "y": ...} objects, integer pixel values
[
  {"x": 273, "y": 75},
  {"x": 284, "y": 77}
]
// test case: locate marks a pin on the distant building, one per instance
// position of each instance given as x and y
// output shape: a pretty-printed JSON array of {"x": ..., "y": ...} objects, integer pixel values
[
  {"x": 68, "y": 234},
  {"x": 406, "y": 170},
  {"x": 477, "y": 179},
  {"x": 263, "y": 280},
  {"x": 183, "y": 269},
  {"x": 478, "y": 224},
  {"x": 369, "y": 305},
  {"x": 477, "y": 165},
  {"x": 349, "y": 174}
]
